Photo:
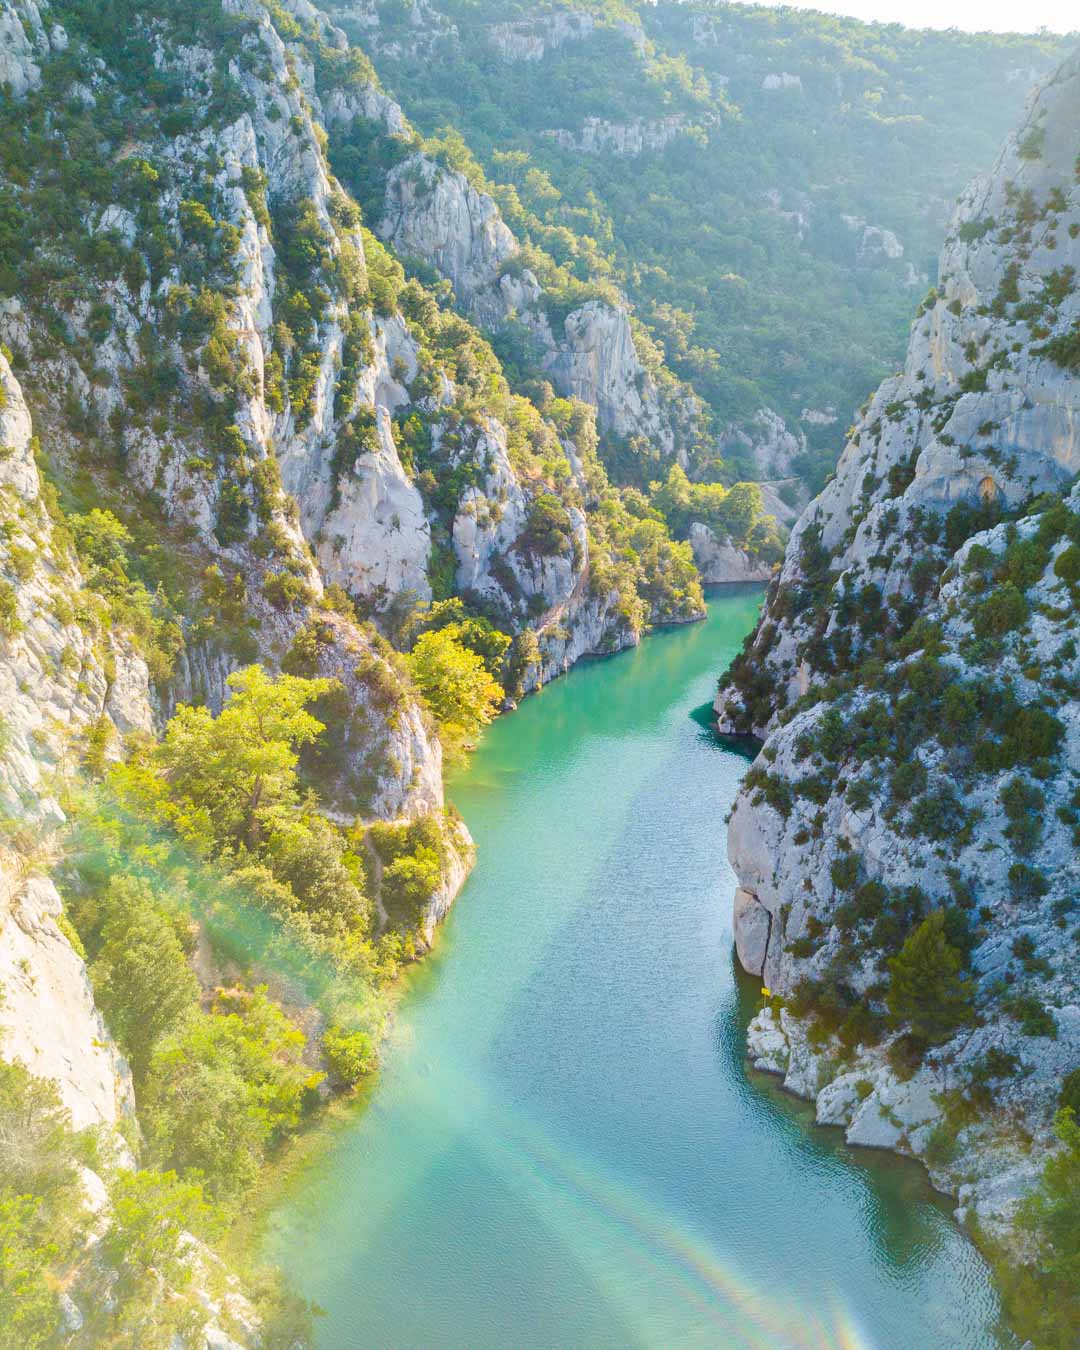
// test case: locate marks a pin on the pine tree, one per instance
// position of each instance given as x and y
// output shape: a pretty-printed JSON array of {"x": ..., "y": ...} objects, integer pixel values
[{"x": 926, "y": 989}]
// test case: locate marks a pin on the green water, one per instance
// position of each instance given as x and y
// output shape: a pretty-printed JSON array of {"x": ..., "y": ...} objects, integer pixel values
[{"x": 565, "y": 1148}]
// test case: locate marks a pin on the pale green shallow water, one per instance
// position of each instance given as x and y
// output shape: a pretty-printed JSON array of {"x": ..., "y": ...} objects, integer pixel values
[{"x": 565, "y": 1148}]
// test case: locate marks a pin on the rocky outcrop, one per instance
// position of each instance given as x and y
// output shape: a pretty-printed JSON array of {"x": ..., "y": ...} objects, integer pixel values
[
  {"x": 933, "y": 574},
  {"x": 781, "y": 80},
  {"x": 720, "y": 561},
  {"x": 440, "y": 217},
  {"x": 436, "y": 215},
  {"x": 766, "y": 443},
  {"x": 625, "y": 140},
  {"x": 24, "y": 41},
  {"x": 597, "y": 361},
  {"x": 872, "y": 241},
  {"x": 57, "y": 681},
  {"x": 533, "y": 39},
  {"x": 423, "y": 28}
]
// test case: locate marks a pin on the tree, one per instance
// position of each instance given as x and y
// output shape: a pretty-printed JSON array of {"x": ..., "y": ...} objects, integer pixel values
[
  {"x": 926, "y": 990},
  {"x": 141, "y": 976},
  {"x": 1049, "y": 1290},
  {"x": 29, "y": 1313},
  {"x": 349, "y": 1054},
  {"x": 741, "y": 508},
  {"x": 38, "y": 1198},
  {"x": 151, "y": 1211},
  {"x": 409, "y": 882},
  {"x": 475, "y": 632},
  {"x": 223, "y": 1088},
  {"x": 455, "y": 684},
  {"x": 1003, "y": 610},
  {"x": 36, "y": 1152},
  {"x": 229, "y": 778}
]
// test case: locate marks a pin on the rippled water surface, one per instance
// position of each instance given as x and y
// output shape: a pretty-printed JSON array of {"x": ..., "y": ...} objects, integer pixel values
[{"x": 565, "y": 1148}]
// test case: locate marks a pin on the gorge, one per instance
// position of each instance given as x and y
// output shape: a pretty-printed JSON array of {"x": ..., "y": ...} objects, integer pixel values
[
  {"x": 368, "y": 372},
  {"x": 563, "y": 1147}
]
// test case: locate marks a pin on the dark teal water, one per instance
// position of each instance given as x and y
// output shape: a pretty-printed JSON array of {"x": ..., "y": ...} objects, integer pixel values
[{"x": 565, "y": 1148}]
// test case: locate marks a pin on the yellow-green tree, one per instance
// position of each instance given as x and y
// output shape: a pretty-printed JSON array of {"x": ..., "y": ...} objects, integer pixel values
[
  {"x": 455, "y": 684},
  {"x": 232, "y": 779}
]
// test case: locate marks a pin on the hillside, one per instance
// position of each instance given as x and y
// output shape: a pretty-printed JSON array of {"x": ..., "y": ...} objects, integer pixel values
[
  {"x": 906, "y": 842},
  {"x": 770, "y": 188},
  {"x": 276, "y": 531}
]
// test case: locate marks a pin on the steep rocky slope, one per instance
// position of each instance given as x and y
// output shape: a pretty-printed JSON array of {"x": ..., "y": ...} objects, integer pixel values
[
  {"x": 914, "y": 677},
  {"x": 722, "y": 164},
  {"x": 61, "y": 678},
  {"x": 255, "y": 443},
  {"x": 233, "y": 434}
]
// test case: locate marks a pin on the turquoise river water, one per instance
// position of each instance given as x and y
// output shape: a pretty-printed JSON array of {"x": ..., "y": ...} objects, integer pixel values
[{"x": 565, "y": 1148}]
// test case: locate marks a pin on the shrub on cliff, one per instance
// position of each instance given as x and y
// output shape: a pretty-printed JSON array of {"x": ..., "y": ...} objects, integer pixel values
[
  {"x": 927, "y": 991},
  {"x": 1003, "y": 610}
]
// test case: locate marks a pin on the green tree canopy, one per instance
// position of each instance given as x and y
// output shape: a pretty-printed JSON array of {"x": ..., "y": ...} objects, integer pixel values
[
  {"x": 141, "y": 977},
  {"x": 224, "y": 1088},
  {"x": 455, "y": 684},
  {"x": 229, "y": 780},
  {"x": 926, "y": 988}
]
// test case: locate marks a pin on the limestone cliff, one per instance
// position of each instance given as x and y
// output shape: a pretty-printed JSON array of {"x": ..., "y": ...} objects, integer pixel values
[
  {"x": 59, "y": 678},
  {"x": 914, "y": 677},
  {"x": 434, "y": 214},
  {"x": 238, "y": 394}
]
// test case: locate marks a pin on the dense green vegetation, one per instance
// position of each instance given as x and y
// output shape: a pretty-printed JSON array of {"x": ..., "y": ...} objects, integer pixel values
[
  {"x": 731, "y": 240},
  {"x": 208, "y": 847},
  {"x": 1042, "y": 1297},
  {"x": 44, "y": 1229}
]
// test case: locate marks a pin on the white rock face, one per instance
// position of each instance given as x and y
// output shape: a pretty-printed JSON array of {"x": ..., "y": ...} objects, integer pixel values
[
  {"x": 23, "y": 40},
  {"x": 624, "y": 140},
  {"x": 53, "y": 687},
  {"x": 720, "y": 561},
  {"x": 752, "y": 924},
  {"x": 598, "y": 363},
  {"x": 379, "y": 540},
  {"x": 533, "y": 39},
  {"x": 983, "y": 417},
  {"x": 462, "y": 855},
  {"x": 48, "y": 1019},
  {"x": 440, "y": 217},
  {"x": 768, "y": 441},
  {"x": 781, "y": 79},
  {"x": 872, "y": 241}
]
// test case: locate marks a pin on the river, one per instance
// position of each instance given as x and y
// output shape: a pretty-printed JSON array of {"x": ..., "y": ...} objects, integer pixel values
[{"x": 565, "y": 1148}]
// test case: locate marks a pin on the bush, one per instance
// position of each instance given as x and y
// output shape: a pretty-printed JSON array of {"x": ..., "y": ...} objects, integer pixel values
[
  {"x": 1067, "y": 566},
  {"x": 350, "y": 1055},
  {"x": 1023, "y": 805},
  {"x": 141, "y": 977},
  {"x": 10, "y": 624},
  {"x": 1004, "y": 610},
  {"x": 223, "y": 1089},
  {"x": 1027, "y": 883},
  {"x": 1034, "y": 1017}
]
